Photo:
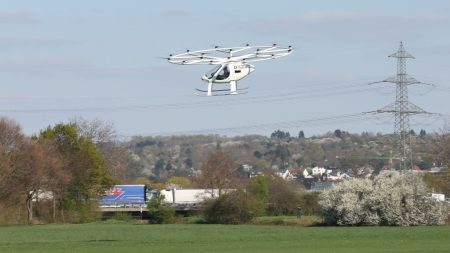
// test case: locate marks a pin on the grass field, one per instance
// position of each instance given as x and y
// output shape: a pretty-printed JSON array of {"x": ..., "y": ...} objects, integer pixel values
[{"x": 129, "y": 237}]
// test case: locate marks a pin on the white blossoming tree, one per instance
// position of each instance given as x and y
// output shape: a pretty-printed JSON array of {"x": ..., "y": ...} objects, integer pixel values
[{"x": 391, "y": 199}]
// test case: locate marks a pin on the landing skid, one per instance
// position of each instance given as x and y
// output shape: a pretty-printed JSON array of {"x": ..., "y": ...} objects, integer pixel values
[
  {"x": 216, "y": 94},
  {"x": 221, "y": 90}
]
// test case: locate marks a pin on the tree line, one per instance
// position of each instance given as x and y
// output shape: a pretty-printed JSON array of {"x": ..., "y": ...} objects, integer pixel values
[{"x": 57, "y": 174}]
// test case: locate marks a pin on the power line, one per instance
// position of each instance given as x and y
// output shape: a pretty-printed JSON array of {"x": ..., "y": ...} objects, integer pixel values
[
  {"x": 283, "y": 97},
  {"x": 345, "y": 118}
]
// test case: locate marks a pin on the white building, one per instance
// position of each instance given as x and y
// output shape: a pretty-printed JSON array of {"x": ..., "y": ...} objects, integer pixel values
[
  {"x": 318, "y": 171},
  {"x": 287, "y": 175}
]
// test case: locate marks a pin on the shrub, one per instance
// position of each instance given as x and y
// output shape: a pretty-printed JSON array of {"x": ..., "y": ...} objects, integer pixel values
[
  {"x": 122, "y": 216},
  {"x": 283, "y": 198},
  {"x": 232, "y": 208},
  {"x": 391, "y": 198},
  {"x": 309, "y": 202},
  {"x": 159, "y": 212}
]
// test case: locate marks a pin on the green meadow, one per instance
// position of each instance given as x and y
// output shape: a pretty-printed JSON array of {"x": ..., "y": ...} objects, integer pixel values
[{"x": 128, "y": 237}]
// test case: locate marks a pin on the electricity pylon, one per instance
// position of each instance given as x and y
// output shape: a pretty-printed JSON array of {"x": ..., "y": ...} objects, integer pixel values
[{"x": 402, "y": 108}]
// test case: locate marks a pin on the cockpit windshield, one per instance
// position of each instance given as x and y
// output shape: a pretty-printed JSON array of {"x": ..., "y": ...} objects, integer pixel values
[
  {"x": 224, "y": 72},
  {"x": 211, "y": 73}
]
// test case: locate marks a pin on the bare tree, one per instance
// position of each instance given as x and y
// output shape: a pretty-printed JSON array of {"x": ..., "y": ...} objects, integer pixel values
[
  {"x": 11, "y": 138},
  {"x": 219, "y": 172},
  {"x": 37, "y": 169},
  {"x": 29, "y": 173},
  {"x": 97, "y": 130},
  {"x": 56, "y": 176},
  {"x": 117, "y": 156},
  {"x": 10, "y": 134}
]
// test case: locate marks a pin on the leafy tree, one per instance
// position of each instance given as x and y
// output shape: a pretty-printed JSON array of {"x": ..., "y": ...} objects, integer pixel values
[
  {"x": 299, "y": 161},
  {"x": 159, "y": 167},
  {"x": 301, "y": 134},
  {"x": 158, "y": 186},
  {"x": 89, "y": 176},
  {"x": 141, "y": 180},
  {"x": 422, "y": 133},
  {"x": 180, "y": 182},
  {"x": 188, "y": 163},
  {"x": 436, "y": 183},
  {"x": 257, "y": 154},
  {"x": 279, "y": 196},
  {"x": 280, "y": 134},
  {"x": 309, "y": 202},
  {"x": 259, "y": 188},
  {"x": 338, "y": 133},
  {"x": 282, "y": 152},
  {"x": 442, "y": 150},
  {"x": 169, "y": 166},
  {"x": 159, "y": 211}
]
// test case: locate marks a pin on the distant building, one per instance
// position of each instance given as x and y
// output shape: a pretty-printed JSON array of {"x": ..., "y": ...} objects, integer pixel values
[
  {"x": 337, "y": 175},
  {"x": 435, "y": 169},
  {"x": 287, "y": 175},
  {"x": 306, "y": 174},
  {"x": 318, "y": 171},
  {"x": 416, "y": 169}
]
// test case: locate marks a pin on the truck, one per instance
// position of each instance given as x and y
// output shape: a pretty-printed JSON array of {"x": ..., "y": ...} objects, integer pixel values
[
  {"x": 131, "y": 198},
  {"x": 125, "y": 196},
  {"x": 189, "y": 199}
]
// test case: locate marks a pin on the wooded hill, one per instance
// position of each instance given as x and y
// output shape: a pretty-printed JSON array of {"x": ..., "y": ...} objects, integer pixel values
[{"x": 164, "y": 157}]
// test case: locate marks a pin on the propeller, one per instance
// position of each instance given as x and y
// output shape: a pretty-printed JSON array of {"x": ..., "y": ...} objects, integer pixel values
[{"x": 219, "y": 55}]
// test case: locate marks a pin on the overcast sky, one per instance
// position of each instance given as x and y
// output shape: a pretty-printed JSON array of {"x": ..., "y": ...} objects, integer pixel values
[{"x": 60, "y": 60}]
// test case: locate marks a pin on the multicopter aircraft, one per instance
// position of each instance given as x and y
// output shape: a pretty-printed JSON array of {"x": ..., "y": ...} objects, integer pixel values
[{"x": 233, "y": 64}]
